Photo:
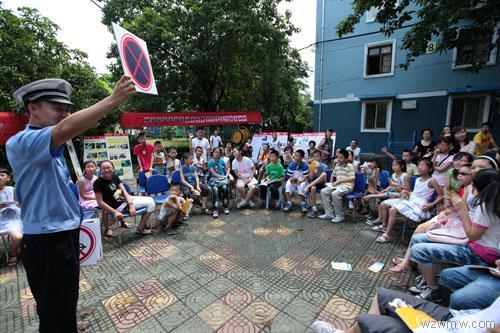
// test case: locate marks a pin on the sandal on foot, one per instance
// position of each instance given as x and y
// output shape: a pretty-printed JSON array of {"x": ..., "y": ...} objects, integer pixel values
[
  {"x": 125, "y": 225},
  {"x": 143, "y": 232},
  {"x": 206, "y": 211},
  {"x": 12, "y": 261},
  {"x": 108, "y": 233},
  {"x": 399, "y": 269},
  {"x": 384, "y": 238},
  {"x": 379, "y": 228},
  {"x": 397, "y": 260}
]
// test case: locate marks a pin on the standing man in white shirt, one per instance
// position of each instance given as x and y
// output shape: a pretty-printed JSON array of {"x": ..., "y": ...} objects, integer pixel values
[
  {"x": 355, "y": 149},
  {"x": 216, "y": 140},
  {"x": 200, "y": 141}
]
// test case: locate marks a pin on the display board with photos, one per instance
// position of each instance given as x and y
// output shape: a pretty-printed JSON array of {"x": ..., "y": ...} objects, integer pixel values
[{"x": 113, "y": 147}]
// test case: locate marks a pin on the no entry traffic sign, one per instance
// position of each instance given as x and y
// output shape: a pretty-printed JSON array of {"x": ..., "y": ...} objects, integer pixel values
[{"x": 134, "y": 56}]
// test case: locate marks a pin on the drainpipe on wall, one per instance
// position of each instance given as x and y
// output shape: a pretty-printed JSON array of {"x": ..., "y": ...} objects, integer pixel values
[{"x": 320, "y": 111}]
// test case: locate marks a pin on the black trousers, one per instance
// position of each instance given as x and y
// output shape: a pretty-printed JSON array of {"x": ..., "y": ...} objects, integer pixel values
[
  {"x": 273, "y": 187},
  {"x": 53, "y": 268}
]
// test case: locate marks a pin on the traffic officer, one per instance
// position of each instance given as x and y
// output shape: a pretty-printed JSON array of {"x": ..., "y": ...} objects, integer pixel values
[{"x": 50, "y": 212}]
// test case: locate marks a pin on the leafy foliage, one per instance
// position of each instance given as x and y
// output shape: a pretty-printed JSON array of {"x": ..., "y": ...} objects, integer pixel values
[
  {"x": 211, "y": 55},
  {"x": 440, "y": 20},
  {"x": 29, "y": 51}
]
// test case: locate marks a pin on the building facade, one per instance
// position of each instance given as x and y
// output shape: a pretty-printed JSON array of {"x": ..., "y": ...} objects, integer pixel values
[{"x": 361, "y": 92}]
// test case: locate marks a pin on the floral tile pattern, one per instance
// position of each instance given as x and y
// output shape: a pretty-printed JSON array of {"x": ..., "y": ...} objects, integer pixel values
[{"x": 250, "y": 271}]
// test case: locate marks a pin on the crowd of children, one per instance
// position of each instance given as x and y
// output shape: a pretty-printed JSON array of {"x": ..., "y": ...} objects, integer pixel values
[{"x": 453, "y": 195}]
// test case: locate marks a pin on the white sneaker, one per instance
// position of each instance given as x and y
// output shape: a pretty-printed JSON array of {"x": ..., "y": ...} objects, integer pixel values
[
  {"x": 324, "y": 327},
  {"x": 326, "y": 217},
  {"x": 250, "y": 204},
  {"x": 241, "y": 204},
  {"x": 338, "y": 219}
]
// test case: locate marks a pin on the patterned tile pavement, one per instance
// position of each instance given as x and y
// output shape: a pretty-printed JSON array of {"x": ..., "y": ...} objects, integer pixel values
[{"x": 250, "y": 271}]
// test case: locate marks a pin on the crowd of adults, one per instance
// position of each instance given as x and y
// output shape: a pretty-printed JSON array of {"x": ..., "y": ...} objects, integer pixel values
[{"x": 450, "y": 187}]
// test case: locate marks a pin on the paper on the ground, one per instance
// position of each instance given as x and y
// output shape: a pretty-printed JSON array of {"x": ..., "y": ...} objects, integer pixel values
[
  {"x": 376, "y": 267},
  {"x": 341, "y": 266}
]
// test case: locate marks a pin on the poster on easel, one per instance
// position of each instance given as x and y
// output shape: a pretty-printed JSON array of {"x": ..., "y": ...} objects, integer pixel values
[
  {"x": 258, "y": 140},
  {"x": 113, "y": 147},
  {"x": 301, "y": 140},
  {"x": 118, "y": 148},
  {"x": 94, "y": 149}
]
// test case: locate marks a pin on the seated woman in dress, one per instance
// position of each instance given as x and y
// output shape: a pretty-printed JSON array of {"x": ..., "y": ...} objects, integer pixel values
[
  {"x": 414, "y": 205},
  {"x": 112, "y": 197}
]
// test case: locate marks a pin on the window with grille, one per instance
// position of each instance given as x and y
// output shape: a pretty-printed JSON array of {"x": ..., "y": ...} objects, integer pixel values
[
  {"x": 376, "y": 116},
  {"x": 469, "y": 112},
  {"x": 474, "y": 48},
  {"x": 379, "y": 59}
]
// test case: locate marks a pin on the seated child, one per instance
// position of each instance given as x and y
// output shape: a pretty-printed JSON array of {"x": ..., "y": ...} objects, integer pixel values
[
  {"x": 159, "y": 159},
  {"x": 200, "y": 163},
  {"x": 173, "y": 164},
  {"x": 86, "y": 195},
  {"x": 341, "y": 183},
  {"x": 273, "y": 179},
  {"x": 298, "y": 173},
  {"x": 414, "y": 205},
  {"x": 174, "y": 210},
  {"x": 317, "y": 178},
  {"x": 192, "y": 185},
  {"x": 311, "y": 150},
  {"x": 10, "y": 216},
  {"x": 398, "y": 182}
]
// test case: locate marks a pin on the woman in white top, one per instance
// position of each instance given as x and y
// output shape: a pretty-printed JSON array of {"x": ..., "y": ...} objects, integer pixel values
[
  {"x": 414, "y": 205},
  {"x": 463, "y": 143},
  {"x": 442, "y": 160}
]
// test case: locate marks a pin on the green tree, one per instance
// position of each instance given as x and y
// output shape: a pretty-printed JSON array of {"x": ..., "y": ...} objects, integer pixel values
[
  {"x": 29, "y": 51},
  {"x": 441, "y": 20},
  {"x": 211, "y": 55}
]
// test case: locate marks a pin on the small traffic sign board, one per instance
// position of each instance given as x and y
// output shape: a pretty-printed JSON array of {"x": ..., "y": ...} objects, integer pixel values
[{"x": 135, "y": 60}]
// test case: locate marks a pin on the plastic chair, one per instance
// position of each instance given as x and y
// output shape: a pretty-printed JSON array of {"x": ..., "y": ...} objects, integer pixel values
[
  {"x": 328, "y": 174},
  {"x": 358, "y": 191},
  {"x": 280, "y": 197},
  {"x": 157, "y": 188},
  {"x": 142, "y": 182},
  {"x": 413, "y": 179},
  {"x": 176, "y": 177},
  {"x": 87, "y": 213},
  {"x": 384, "y": 179}
]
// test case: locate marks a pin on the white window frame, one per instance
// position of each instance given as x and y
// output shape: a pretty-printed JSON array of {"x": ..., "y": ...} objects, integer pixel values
[
  {"x": 387, "y": 120},
  {"x": 493, "y": 53},
  {"x": 365, "y": 58},
  {"x": 486, "y": 111}
]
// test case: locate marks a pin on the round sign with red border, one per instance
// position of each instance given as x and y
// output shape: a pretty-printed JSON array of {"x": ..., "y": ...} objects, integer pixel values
[
  {"x": 136, "y": 61},
  {"x": 88, "y": 237}
]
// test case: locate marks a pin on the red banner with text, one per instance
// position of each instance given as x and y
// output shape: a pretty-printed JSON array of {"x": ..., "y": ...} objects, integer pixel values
[
  {"x": 10, "y": 124},
  {"x": 151, "y": 119}
]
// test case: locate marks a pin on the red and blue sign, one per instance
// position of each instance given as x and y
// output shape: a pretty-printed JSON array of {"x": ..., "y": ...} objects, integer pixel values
[{"x": 137, "y": 62}]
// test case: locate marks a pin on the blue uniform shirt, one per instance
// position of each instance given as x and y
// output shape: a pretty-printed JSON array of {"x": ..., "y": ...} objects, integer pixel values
[{"x": 42, "y": 182}]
